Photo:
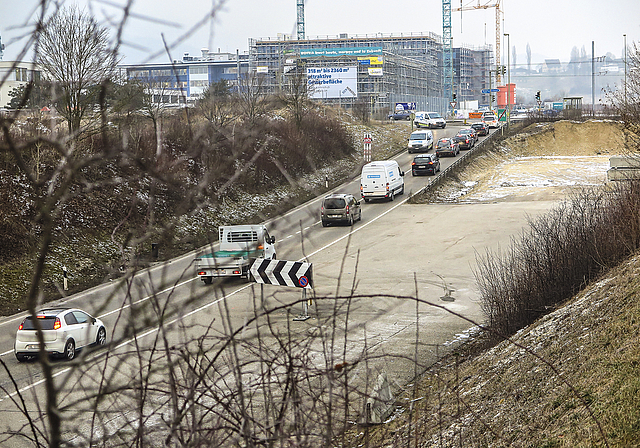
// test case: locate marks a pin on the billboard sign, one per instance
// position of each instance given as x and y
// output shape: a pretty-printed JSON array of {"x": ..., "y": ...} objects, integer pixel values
[
  {"x": 405, "y": 106},
  {"x": 370, "y": 60},
  {"x": 332, "y": 82},
  {"x": 375, "y": 71},
  {"x": 335, "y": 52}
]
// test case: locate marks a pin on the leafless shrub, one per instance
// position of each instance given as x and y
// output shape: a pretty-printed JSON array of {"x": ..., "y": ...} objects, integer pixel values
[{"x": 558, "y": 255}]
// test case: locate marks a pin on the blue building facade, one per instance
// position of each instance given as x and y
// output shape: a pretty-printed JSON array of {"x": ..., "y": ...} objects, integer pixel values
[{"x": 183, "y": 82}]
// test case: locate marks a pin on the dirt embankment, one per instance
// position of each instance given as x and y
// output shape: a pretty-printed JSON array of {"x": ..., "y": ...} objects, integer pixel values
[{"x": 544, "y": 162}]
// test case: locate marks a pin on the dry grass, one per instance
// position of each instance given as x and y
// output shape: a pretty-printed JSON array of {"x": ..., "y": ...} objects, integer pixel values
[{"x": 511, "y": 397}]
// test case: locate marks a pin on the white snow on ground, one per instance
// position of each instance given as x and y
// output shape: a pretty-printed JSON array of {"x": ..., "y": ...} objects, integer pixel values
[{"x": 523, "y": 176}]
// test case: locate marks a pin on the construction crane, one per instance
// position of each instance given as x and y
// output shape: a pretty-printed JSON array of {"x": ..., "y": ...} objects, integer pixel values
[
  {"x": 486, "y": 5},
  {"x": 300, "y": 19}
]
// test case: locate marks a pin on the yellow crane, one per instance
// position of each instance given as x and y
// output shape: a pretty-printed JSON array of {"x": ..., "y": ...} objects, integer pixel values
[{"x": 486, "y": 5}]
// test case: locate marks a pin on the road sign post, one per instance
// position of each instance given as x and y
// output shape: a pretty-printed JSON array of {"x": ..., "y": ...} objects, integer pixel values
[
  {"x": 285, "y": 273},
  {"x": 367, "y": 140}
]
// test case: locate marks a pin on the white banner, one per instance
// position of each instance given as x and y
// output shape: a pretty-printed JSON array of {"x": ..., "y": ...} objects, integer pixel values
[{"x": 332, "y": 82}]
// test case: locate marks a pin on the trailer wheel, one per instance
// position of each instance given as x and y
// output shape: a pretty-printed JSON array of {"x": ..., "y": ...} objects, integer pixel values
[{"x": 207, "y": 280}]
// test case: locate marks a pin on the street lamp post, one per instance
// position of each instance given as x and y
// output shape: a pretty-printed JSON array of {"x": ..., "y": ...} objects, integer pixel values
[
  {"x": 625, "y": 68},
  {"x": 508, "y": 112}
]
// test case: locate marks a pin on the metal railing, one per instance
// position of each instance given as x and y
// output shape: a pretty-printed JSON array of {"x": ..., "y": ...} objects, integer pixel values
[{"x": 460, "y": 162}]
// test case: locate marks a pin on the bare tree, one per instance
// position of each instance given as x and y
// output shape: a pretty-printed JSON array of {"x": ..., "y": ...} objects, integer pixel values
[
  {"x": 251, "y": 97},
  {"x": 217, "y": 104},
  {"x": 296, "y": 95},
  {"x": 74, "y": 53}
]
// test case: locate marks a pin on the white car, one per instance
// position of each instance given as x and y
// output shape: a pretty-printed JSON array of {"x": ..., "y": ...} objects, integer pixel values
[
  {"x": 490, "y": 119},
  {"x": 65, "y": 331}
]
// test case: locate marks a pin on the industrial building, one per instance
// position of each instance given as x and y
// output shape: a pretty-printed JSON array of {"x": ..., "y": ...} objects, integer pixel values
[
  {"x": 183, "y": 82},
  {"x": 379, "y": 70},
  {"x": 374, "y": 70},
  {"x": 13, "y": 75}
]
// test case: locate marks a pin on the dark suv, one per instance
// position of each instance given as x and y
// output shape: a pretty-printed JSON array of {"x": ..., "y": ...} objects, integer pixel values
[
  {"x": 425, "y": 164},
  {"x": 342, "y": 208},
  {"x": 465, "y": 140},
  {"x": 481, "y": 128}
]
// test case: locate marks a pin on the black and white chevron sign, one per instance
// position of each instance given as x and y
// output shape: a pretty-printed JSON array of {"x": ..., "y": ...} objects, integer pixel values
[{"x": 284, "y": 273}]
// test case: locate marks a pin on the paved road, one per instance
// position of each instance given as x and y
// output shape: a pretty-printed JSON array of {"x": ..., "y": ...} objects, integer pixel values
[{"x": 398, "y": 251}]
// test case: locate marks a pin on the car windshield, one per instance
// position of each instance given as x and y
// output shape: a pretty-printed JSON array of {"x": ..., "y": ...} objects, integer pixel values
[
  {"x": 422, "y": 159},
  {"x": 434, "y": 115},
  {"x": 46, "y": 322},
  {"x": 489, "y": 117},
  {"x": 465, "y": 131},
  {"x": 443, "y": 144},
  {"x": 422, "y": 136},
  {"x": 334, "y": 203}
]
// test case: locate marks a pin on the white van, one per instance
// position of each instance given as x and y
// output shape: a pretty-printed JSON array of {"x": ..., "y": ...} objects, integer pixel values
[
  {"x": 380, "y": 180},
  {"x": 420, "y": 141},
  {"x": 429, "y": 120}
]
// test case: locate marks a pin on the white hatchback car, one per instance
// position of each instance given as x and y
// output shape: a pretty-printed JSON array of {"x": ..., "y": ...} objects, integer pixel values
[{"x": 65, "y": 330}]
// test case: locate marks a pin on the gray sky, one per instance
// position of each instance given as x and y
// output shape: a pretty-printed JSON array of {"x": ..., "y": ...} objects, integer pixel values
[{"x": 551, "y": 27}]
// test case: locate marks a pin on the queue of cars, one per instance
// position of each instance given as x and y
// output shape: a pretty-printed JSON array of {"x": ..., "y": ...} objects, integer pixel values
[{"x": 384, "y": 179}]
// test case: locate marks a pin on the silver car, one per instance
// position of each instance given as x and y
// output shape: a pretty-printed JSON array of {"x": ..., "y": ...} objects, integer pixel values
[{"x": 65, "y": 331}]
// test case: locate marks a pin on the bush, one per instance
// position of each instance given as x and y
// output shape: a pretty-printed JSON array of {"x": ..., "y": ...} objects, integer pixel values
[{"x": 562, "y": 251}]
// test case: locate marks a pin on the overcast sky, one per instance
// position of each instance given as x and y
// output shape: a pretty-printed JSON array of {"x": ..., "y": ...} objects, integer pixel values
[{"x": 551, "y": 27}]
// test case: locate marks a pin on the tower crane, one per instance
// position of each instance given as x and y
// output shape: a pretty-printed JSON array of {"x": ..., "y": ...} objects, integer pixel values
[{"x": 486, "y": 5}]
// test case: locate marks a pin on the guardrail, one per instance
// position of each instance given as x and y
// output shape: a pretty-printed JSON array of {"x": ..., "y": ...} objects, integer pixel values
[{"x": 460, "y": 162}]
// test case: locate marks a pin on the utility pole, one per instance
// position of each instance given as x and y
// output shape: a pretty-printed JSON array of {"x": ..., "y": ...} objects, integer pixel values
[
  {"x": 508, "y": 112},
  {"x": 593, "y": 79},
  {"x": 625, "y": 68}
]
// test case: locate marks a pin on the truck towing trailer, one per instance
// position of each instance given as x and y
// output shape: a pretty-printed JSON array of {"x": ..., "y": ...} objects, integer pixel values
[{"x": 239, "y": 247}]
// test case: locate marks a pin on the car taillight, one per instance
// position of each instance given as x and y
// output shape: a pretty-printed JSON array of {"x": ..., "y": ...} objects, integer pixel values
[
  {"x": 387, "y": 186},
  {"x": 347, "y": 209},
  {"x": 413, "y": 163},
  {"x": 57, "y": 324},
  {"x": 201, "y": 273},
  {"x": 20, "y": 327}
]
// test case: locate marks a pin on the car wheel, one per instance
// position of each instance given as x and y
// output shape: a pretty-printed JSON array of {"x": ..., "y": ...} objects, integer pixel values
[
  {"x": 366, "y": 199},
  {"x": 69, "y": 350},
  {"x": 101, "y": 338},
  {"x": 207, "y": 280},
  {"x": 350, "y": 220},
  {"x": 22, "y": 358},
  {"x": 391, "y": 196},
  {"x": 402, "y": 189},
  {"x": 325, "y": 223},
  {"x": 413, "y": 173}
]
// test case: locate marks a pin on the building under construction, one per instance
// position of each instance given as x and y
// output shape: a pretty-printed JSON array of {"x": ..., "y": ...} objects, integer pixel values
[{"x": 377, "y": 70}]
